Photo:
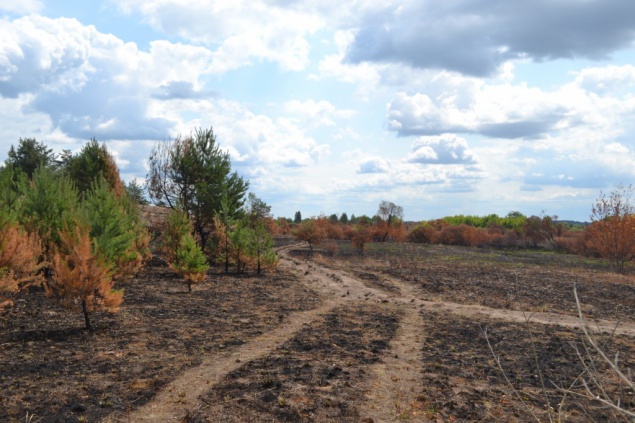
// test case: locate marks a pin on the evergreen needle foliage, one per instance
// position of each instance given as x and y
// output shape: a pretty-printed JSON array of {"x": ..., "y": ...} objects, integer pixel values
[
  {"x": 48, "y": 205},
  {"x": 260, "y": 246},
  {"x": 177, "y": 226},
  {"x": 112, "y": 228},
  {"x": 190, "y": 262},
  {"x": 193, "y": 174}
]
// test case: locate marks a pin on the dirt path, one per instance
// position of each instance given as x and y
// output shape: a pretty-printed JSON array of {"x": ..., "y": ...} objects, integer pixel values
[
  {"x": 407, "y": 294},
  {"x": 391, "y": 392},
  {"x": 172, "y": 403},
  {"x": 396, "y": 382}
]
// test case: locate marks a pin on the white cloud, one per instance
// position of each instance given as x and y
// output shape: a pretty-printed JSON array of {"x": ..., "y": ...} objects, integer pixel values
[
  {"x": 239, "y": 30},
  {"x": 93, "y": 84},
  {"x": 504, "y": 110},
  {"x": 444, "y": 149},
  {"x": 23, "y": 7},
  {"x": 609, "y": 79},
  {"x": 374, "y": 165},
  {"x": 255, "y": 141}
]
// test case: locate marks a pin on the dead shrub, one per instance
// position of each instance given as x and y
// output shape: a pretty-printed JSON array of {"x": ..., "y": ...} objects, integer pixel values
[{"x": 20, "y": 256}]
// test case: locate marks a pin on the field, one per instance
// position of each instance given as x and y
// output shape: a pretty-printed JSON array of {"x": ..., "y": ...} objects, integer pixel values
[{"x": 405, "y": 333}]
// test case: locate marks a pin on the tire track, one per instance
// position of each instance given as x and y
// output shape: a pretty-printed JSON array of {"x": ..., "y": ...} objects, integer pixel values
[
  {"x": 174, "y": 401},
  {"x": 392, "y": 388}
]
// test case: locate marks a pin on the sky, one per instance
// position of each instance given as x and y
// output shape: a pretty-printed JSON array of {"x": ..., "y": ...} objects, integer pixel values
[{"x": 442, "y": 107}]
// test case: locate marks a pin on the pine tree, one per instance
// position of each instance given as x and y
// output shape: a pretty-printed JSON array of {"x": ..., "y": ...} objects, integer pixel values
[
  {"x": 260, "y": 245},
  {"x": 193, "y": 174},
  {"x": 48, "y": 205},
  {"x": 177, "y": 226},
  {"x": 239, "y": 242},
  {"x": 29, "y": 156},
  {"x": 112, "y": 230},
  {"x": 9, "y": 194},
  {"x": 93, "y": 161},
  {"x": 81, "y": 280},
  {"x": 190, "y": 262}
]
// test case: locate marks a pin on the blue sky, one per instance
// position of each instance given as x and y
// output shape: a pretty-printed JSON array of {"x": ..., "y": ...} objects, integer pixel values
[{"x": 453, "y": 107}]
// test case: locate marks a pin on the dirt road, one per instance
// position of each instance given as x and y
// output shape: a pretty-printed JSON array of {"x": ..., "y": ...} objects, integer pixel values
[{"x": 392, "y": 387}]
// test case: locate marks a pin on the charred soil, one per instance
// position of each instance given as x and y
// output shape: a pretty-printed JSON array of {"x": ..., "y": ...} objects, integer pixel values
[{"x": 379, "y": 338}]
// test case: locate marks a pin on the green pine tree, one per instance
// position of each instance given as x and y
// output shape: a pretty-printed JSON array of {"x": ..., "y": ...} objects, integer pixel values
[
  {"x": 112, "y": 230},
  {"x": 190, "y": 262}
]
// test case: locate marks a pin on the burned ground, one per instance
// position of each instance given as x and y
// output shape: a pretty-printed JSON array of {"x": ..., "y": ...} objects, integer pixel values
[{"x": 369, "y": 339}]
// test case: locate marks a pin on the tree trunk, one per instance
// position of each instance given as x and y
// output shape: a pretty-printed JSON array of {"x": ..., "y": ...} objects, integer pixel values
[
  {"x": 226, "y": 253},
  {"x": 86, "y": 317}
]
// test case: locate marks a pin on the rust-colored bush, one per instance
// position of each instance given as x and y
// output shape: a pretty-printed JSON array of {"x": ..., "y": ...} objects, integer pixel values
[
  {"x": 462, "y": 235},
  {"x": 424, "y": 234},
  {"x": 362, "y": 234},
  {"x": 80, "y": 280},
  {"x": 334, "y": 231},
  {"x": 611, "y": 234},
  {"x": 20, "y": 256},
  {"x": 311, "y": 231},
  {"x": 481, "y": 237}
]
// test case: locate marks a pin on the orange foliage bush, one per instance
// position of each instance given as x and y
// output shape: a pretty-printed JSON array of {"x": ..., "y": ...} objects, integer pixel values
[
  {"x": 362, "y": 234},
  {"x": 424, "y": 234},
  {"x": 334, "y": 231},
  {"x": 283, "y": 227},
  {"x": 20, "y": 255},
  {"x": 80, "y": 280},
  {"x": 462, "y": 235},
  {"x": 613, "y": 239},
  {"x": 612, "y": 232},
  {"x": 311, "y": 231}
]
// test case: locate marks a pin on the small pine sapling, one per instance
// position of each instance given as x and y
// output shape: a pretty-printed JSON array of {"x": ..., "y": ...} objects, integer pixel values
[
  {"x": 111, "y": 229},
  {"x": 81, "y": 280},
  {"x": 190, "y": 262},
  {"x": 48, "y": 204},
  {"x": 260, "y": 246},
  {"x": 239, "y": 247},
  {"x": 178, "y": 225}
]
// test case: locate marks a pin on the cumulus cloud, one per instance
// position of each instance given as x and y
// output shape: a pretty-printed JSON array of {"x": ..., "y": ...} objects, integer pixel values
[
  {"x": 374, "y": 165},
  {"x": 257, "y": 140},
  {"x": 21, "y": 7},
  {"x": 239, "y": 31},
  {"x": 444, "y": 149},
  {"x": 606, "y": 79},
  {"x": 476, "y": 37},
  {"x": 93, "y": 84},
  {"x": 38, "y": 52},
  {"x": 597, "y": 97}
]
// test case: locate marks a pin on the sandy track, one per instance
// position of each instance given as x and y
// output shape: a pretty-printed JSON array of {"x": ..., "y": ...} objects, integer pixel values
[
  {"x": 394, "y": 382},
  {"x": 172, "y": 403}
]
